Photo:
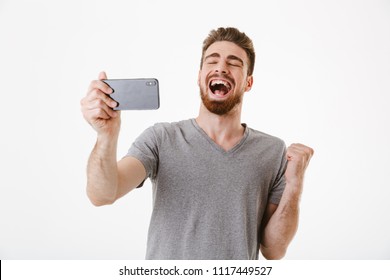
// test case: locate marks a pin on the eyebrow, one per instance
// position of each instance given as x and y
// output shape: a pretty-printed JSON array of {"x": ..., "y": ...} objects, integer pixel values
[{"x": 230, "y": 57}]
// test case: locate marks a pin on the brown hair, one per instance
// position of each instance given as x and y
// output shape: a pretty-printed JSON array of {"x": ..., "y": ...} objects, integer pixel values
[{"x": 233, "y": 35}]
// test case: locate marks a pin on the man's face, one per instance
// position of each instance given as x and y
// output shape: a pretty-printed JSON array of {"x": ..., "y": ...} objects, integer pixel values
[{"x": 223, "y": 78}]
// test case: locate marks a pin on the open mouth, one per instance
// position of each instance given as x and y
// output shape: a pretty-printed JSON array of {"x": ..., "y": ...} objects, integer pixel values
[{"x": 220, "y": 87}]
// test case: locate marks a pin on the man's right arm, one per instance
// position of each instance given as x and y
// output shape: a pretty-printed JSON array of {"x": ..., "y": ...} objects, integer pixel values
[{"x": 107, "y": 179}]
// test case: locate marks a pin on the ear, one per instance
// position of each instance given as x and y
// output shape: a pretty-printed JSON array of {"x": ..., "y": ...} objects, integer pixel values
[
  {"x": 249, "y": 83},
  {"x": 199, "y": 77}
]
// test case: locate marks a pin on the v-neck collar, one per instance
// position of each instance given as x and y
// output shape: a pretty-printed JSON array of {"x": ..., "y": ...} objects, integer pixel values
[{"x": 215, "y": 145}]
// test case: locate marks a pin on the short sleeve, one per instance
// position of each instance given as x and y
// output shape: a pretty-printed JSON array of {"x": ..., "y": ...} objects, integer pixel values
[
  {"x": 145, "y": 149},
  {"x": 277, "y": 188}
]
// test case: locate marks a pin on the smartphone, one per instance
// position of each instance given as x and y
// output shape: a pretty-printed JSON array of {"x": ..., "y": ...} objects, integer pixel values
[{"x": 135, "y": 94}]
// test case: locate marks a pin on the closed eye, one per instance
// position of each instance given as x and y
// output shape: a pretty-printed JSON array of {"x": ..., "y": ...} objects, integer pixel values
[{"x": 212, "y": 62}]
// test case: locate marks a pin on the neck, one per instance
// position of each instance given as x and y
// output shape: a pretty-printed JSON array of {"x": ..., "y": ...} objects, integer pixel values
[{"x": 225, "y": 130}]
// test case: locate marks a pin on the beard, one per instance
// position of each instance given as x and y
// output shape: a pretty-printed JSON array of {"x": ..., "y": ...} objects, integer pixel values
[{"x": 221, "y": 107}]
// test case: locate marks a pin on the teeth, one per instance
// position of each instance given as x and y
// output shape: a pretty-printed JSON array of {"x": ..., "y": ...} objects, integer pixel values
[{"x": 215, "y": 82}]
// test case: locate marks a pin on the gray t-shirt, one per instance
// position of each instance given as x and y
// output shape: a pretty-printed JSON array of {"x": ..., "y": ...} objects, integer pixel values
[{"x": 208, "y": 203}]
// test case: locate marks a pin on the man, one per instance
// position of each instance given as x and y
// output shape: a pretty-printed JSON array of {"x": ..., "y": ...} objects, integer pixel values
[{"x": 221, "y": 190}]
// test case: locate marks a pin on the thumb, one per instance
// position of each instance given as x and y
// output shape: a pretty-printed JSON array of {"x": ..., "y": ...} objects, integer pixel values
[{"x": 102, "y": 75}]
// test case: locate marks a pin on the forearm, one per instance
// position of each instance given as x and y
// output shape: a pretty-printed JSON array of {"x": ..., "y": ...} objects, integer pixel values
[
  {"x": 281, "y": 228},
  {"x": 102, "y": 172}
]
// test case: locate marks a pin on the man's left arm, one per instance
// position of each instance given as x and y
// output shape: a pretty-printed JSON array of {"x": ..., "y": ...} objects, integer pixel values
[{"x": 280, "y": 222}]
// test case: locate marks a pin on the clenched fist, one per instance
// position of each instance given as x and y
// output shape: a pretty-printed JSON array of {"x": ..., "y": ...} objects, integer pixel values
[{"x": 298, "y": 158}]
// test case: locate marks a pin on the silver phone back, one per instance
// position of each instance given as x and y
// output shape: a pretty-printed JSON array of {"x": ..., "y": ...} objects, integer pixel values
[{"x": 135, "y": 94}]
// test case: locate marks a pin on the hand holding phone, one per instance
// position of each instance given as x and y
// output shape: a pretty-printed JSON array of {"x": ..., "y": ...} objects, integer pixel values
[
  {"x": 97, "y": 106},
  {"x": 135, "y": 94}
]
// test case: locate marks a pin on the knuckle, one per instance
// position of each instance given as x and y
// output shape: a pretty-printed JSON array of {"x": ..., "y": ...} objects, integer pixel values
[
  {"x": 92, "y": 84},
  {"x": 102, "y": 85},
  {"x": 95, "y": 92},
  {"x": 97, "y": 113},
  {"x": 99, "y": 103},
  {"x": 106, "y": 99}
]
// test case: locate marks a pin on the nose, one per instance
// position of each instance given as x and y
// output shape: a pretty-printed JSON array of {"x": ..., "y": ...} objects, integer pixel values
[{"x": 221, "y": 67}]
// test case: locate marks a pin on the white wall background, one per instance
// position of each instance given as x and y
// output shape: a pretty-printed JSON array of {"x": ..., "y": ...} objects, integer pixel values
[{"x": 322, "y": 78}]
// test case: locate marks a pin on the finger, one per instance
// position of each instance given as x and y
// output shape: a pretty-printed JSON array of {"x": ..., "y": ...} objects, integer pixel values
[
  {"x": 301, "y": 147},
  {"x": 98, "y": 94},
  {"x": 298, "y": 155},
  {"x": 100, "y": 104},
  {"x": 298, "y": 146},
  {"x": 294, "y": 152},
  {"x": 102, "y": 76},
  {"x": 94, "y": 104},
  {"x": 96, "y": 114},
  {"x": 97, "y": 84}
]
